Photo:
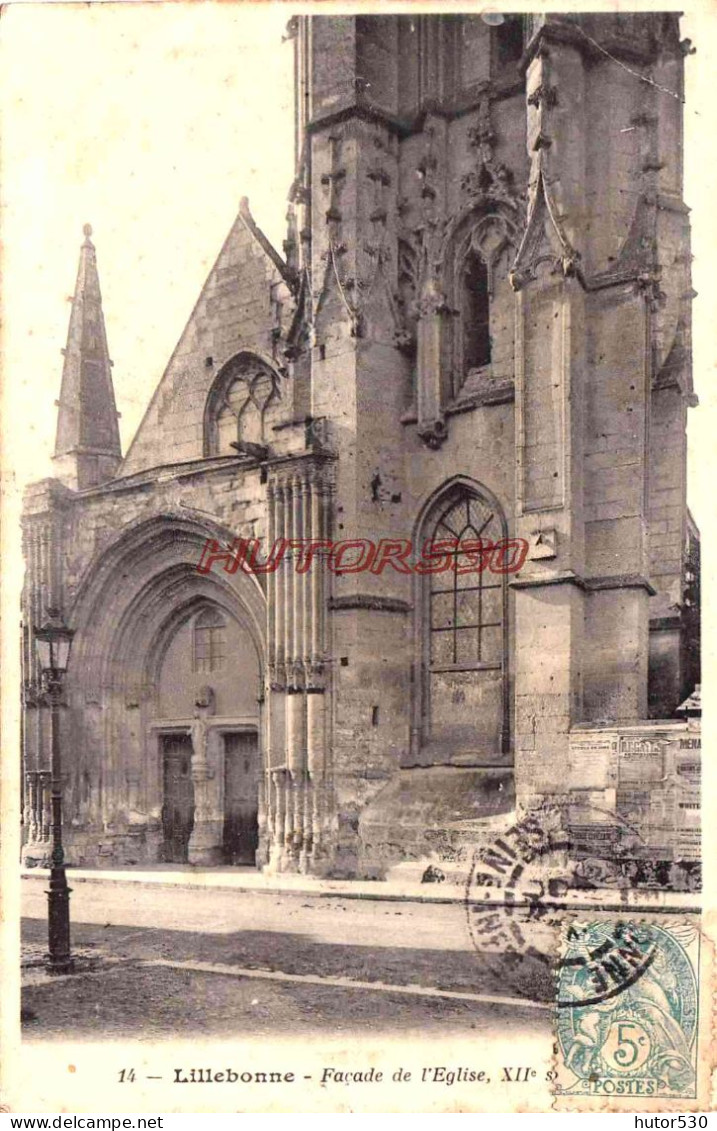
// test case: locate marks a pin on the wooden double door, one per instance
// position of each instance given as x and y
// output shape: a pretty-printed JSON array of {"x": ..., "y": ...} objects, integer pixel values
[
  {"x": 178, "y": 808},
  {"x": 241, "y": 797}
]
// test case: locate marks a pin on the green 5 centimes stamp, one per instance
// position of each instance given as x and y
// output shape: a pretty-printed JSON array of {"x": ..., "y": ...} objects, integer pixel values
[{"x": 627, "y": 1009}]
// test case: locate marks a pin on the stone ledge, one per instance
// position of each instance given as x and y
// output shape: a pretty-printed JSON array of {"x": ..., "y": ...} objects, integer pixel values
[{"x": 370, "y": 602}]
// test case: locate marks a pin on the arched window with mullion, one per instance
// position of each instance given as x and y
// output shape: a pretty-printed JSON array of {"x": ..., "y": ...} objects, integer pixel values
[
  {"x": 242, "y": 394},
  {"x": 464, "y": 635},
  {"x": 464, "y": 607},
  {"x": 209, "y": 641}
]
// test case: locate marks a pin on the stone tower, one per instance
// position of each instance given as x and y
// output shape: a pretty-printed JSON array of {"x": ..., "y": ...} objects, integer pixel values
[{"x": 494, "y": 255}]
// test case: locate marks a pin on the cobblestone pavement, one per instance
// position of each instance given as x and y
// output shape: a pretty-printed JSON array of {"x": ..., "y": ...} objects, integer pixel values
[{"x": 34, "y": 955}]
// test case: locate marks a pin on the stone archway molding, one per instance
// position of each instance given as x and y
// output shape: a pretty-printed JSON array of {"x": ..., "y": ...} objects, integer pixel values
[{"x": 130, "y": 602}]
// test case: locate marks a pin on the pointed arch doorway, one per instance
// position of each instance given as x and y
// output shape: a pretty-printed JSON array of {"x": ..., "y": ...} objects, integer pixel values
[
  {"x": 208, "y": 727},
  {"x": 157, "y": 642}
]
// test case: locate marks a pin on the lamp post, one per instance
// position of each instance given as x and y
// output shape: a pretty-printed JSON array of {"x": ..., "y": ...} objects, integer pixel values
[{"x": 53, "y": 642}]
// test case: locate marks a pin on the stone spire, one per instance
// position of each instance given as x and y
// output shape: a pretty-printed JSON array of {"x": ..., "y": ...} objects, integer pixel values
[{"x": 87, "y": 445}]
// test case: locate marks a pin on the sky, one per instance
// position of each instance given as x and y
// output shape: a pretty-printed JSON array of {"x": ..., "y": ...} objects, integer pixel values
[{"x": 150, "y": 121}]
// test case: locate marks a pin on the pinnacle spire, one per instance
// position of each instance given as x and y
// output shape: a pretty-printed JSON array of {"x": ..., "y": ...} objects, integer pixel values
[{"x": 87, "y": 445}]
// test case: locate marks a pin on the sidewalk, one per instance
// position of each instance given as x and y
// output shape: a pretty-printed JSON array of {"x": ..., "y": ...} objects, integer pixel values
[
  {"x": 399, "y": 888},
  {"x": 250, "y": 881}
]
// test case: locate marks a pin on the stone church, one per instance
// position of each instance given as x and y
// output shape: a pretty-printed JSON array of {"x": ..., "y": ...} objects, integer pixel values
[{"x": 478, "y": 325}]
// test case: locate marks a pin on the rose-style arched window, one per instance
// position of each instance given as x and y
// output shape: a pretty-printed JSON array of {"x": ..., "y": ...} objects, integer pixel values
[{"x": 236, "y": 409}]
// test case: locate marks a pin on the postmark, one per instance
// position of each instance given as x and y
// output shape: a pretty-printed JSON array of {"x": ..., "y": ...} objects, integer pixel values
[
  {"x": 528, "y": 885},
  {"x": 627, "y": 1009},
  {"x": 515, "y": 901}
]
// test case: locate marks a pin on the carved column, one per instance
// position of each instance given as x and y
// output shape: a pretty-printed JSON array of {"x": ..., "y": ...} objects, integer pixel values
[
  {"x": 296, "y": 677},
  {"x": 276, "y": 687},
  {"x": 205, "y": 842},
  {"x": 430, "y": 399},
  {"x": 432, "y": 308}
]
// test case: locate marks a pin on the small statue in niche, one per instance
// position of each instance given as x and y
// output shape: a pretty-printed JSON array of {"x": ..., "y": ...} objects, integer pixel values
[
  {"x": 198, "y": 732},
  {"x": 200, "y": 729}
]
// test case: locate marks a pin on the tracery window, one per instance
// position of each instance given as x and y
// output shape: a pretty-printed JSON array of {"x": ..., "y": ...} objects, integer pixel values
[
  {"x": 479, "y": 290},
  {"x": 238, "y": 403},
  {"x": 210, "y": 641},
  {"x": 466, "y": 614},
  {"x": 462, "y": 709}
]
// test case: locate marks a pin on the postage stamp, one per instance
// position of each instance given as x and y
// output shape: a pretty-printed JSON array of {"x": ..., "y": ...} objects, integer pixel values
[
  {"x": 624, "y": 986},
  {"x": 627, "y": 1006}
]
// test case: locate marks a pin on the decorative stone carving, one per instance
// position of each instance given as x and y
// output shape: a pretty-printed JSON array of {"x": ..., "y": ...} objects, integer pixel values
[
  {"x": 433, "y": 432},
  {"x": 543, "y": 545},
  {"x": 544, "y": 242},
  {"x": 198, "y": 733},
  {"x": 206, "y": 699},
  {"x": 490, "y": 179},
  {"x": 543, "y": 95},
  {"x": 205, "y": 842}
]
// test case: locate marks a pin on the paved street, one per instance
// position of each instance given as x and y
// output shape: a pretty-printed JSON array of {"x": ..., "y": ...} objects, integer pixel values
[{"x": 155, "y": 960}]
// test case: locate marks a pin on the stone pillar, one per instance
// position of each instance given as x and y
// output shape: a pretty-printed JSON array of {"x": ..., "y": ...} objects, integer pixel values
[
  {"x": 29, "y": 815},
  {"x": 316, "y": 762},
  {"x": 549, "y": 595},
  {"x": 430, "y": 395},
  {"x": 45, "y": 809},
  {"x": 205, "y": 842},
  {"x": 296, "y": 628},
  {"x": 432, "y": 383}
]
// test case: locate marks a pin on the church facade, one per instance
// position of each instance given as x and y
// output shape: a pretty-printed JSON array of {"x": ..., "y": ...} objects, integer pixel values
[{"x": 478, "y": 328}]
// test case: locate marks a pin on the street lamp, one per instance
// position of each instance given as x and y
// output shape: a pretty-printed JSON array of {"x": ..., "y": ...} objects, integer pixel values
[{"x": 53, "y": 642}]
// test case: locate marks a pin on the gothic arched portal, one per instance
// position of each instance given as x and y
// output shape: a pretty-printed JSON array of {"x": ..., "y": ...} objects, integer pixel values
[{"x": 165, "y": 656}]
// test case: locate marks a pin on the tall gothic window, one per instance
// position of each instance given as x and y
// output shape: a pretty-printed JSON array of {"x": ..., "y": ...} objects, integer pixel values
[
  {"x": 238, "y": 403},
  {"x": 479, "y": 341},
  {"x": 210, "y": 641},
  {"x": 466, "y": 615},
  {"x": 475, "y": 312},
  {"x": 509, "y": 41},
  {"x": 463, "y": 645}
]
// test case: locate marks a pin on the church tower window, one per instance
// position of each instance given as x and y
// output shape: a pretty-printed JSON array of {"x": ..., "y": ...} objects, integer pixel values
[
  {"x": 475, "y": 313},
  {"x": 466, "y": 614},
  {"x": 462, "y": 631},
  {"x": 210, "y": 641},
  {"x": 509, "y": 41}
]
